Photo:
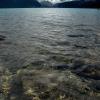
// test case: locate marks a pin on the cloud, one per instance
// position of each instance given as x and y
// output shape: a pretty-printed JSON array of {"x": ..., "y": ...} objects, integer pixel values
[{"x": 55, "y": 1}]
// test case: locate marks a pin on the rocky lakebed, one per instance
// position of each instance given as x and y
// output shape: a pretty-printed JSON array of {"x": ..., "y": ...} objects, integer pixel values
[{"x": 77, "y": 79}]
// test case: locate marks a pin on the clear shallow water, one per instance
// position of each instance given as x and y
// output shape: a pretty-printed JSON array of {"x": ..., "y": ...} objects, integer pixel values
[{"x": 49, "y": 36}]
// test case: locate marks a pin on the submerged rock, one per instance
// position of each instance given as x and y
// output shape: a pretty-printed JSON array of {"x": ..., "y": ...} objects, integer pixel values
[
  {"x": 2, "y": 37},
  {"x": 44, "y": 85},
  {"x": 80, "y": 46},
  {"x": 78, "y": 35},
  {"x": 48, "y": 84},
  {"x": 61, "y": 67},
  {"x": 64, "y": 43},
  {"x": 76, "y": 64},
  {"x": 90, "y": 71},
  {"x": 52, "y": 85},
  {"x": 96, "y": 85}
]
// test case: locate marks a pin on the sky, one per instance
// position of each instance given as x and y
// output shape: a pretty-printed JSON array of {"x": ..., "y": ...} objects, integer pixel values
[{"x": 55, "y": 1}]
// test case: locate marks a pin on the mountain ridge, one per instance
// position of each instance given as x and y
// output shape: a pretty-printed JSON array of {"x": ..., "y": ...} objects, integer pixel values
[
  {"x": 79, "y": 4},
  {"x": 19, "y": 3},
  {"x": 48, "y": 4}
]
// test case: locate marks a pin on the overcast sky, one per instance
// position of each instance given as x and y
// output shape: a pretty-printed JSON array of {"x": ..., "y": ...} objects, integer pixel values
[{"x": 55, "y": 1}]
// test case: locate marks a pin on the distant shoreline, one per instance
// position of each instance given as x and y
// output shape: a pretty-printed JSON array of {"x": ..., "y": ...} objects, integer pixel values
[{"x": 48, "y": 7}]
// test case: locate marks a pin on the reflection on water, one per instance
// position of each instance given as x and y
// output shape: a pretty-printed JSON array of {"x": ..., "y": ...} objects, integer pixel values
[{"x": 49, "y": 36}]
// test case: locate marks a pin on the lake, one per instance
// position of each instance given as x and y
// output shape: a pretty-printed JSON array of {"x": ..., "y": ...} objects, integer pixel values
[{"x": 49, "y": 36}]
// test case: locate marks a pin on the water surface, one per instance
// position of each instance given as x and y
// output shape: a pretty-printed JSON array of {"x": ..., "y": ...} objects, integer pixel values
[{"x": 46, "y": 36}]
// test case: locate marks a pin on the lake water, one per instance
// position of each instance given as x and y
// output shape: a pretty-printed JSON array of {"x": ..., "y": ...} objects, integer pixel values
[{"x": 49, "y": 36}]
